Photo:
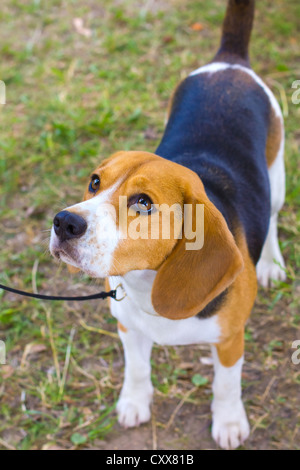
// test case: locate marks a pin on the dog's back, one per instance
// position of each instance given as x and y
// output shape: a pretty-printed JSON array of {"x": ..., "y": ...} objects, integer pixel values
[{"x": 218, "y": 126}]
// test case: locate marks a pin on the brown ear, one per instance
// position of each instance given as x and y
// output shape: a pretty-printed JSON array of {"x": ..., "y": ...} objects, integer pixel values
[{"x": 189, "y": 279}]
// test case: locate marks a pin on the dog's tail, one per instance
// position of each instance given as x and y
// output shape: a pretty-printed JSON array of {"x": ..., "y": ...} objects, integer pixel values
[{"x": 236, "y": 32}]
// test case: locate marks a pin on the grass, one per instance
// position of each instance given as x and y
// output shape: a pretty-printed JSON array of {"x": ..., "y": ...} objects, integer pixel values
[{"x": 71, "y": 101}]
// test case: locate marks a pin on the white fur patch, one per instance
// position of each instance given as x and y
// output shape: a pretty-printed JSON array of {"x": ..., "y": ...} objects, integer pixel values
[
  {"x": 270, "y": 266},
  {"x": 133, "y": 406},
  {"x": 136, "y": 312},
  {"x": 93, "y": 252},
  {"x": 215, "y": 67},
  {"x": 211, "y": 68},
  {"x": 230, "y": 425}
]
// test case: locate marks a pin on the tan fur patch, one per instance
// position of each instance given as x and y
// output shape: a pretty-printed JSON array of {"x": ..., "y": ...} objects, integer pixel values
[
  {"x": 72, "y": 269},
  {"x": 107, "y": 288},
  {"x": 122, "y": 327},
  {"x": 238, "y": 305},
  {"x": 275, "y": 136},
  {"x": 142, "y": 169},
  {"x": 171, "y": 101},
  {"x": 230, "y": 351}
]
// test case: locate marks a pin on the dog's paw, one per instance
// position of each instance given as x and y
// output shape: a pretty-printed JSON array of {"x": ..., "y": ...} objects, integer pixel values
[
  {"x": 268, "y": 271},
  {"x": 134, "y": 408},
  {"x": 230, "y": 425},
  {"x": 132, "y": 414}
]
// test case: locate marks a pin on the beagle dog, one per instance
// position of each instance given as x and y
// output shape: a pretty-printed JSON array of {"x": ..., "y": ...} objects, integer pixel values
[{"x": 221, "y": 153}]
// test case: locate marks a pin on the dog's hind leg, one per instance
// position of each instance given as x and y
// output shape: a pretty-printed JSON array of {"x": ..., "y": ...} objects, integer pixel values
[{"x": 271, "y": 265}]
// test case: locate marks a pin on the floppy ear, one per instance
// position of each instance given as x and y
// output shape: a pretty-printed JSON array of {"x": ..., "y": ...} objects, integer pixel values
[{"x": 189, "y": 279}]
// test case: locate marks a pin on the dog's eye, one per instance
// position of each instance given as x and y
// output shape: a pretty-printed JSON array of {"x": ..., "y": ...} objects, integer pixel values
[
  {"x": 143, "y": 204},
  {"x": 94, "y": 184}
]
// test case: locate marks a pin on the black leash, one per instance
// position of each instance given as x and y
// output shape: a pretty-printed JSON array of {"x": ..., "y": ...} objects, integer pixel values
[{"x": 100, "y": 295}]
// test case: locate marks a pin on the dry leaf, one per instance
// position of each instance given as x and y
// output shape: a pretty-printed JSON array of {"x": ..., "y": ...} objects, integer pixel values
[
  {"x": 168, "y": 39},
  {"x": 31, "y": 348},
  {"x": 197, "y": 27},
  {"x": 207, "y": 361},
  {"x": 78, "y": 24},
  {"x": 52, "y": 446},
  {"x": 186, "y": 365},
  {"x": 87, "y": 411}
]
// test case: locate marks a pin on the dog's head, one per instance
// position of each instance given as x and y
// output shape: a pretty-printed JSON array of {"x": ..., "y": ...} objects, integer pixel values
[{"x": 139, "y": 212}]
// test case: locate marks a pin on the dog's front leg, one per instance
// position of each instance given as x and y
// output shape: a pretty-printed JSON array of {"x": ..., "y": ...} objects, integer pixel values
[
  {"x": 230, "y": 425},
  {"x": 133, "y": 406}
]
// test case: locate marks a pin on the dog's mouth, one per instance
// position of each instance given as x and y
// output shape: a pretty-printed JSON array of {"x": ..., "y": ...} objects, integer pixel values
[
  {"x": 59, "y": 254},
  {"x": 79, "y": 255},
  {"x": 66, "y": 253}
]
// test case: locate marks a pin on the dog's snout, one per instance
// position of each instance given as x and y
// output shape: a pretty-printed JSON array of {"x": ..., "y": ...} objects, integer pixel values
[{"x": 68, "y": 225}]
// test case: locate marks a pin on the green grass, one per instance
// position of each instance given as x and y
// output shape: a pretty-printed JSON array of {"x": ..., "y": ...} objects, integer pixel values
[{"x": 71, "y": 101}]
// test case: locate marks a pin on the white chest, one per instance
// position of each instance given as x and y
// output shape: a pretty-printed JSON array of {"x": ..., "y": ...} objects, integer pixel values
[{"x": 136, "y": 312}]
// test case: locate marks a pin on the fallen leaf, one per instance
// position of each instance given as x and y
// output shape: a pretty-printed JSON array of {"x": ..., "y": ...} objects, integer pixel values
[
  {"x": 68, "y": 399},
  {"x": 31, "y": 348},
  {"x": 52, "y": 446},
  {"x": 206, "y": 361},
  {"x": 87, "y": 411},
  {"x": 78, "y": 25},
  {"x": 186, "y": 365},
  {"x": 197, "y": 26},
  {"x": 168, "y": 39}
]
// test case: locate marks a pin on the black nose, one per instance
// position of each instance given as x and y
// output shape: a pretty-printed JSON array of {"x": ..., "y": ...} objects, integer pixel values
[{"x": 68, "y": 225}]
